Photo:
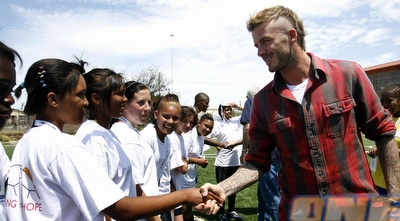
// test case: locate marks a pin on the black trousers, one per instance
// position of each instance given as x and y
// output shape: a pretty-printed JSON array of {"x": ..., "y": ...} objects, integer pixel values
[
  {"x": 166, "y": 216},
  {"x": 221, "y": 174}
]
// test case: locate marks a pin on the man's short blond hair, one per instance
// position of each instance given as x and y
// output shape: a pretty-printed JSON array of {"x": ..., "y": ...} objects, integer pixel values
[{"x": 272, "y": 14}]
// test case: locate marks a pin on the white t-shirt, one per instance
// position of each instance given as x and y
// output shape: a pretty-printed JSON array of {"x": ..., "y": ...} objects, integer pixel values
[
  {"x": 52, "y": 177},
  {"x": 142, "y": 159},
  {"x": 162, "y": 155},
  {"x": 178, "y": 151},
  {"x": 298, "y": 90},
  {"x": 225, "y": 131},
  {"x": 4, "y": 166},
  {"x": 194, "y": 147},
  {"x": 106, "y": 149}
]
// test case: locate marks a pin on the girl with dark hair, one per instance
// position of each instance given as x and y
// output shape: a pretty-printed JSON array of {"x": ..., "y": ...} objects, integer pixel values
[
  {"x": 7, "y": 82},
  {"x": 179, "y": 157},
  {"x": 390, "y": 100},
  {"x": 227, "y": 161},
  {"x": 106, "y": 95},
  {"x": 137, "y": 113},
  {"x": 194, "y": 144},
  {"x": 166, "y": 117},
  {"x": 52, "y": 176}
]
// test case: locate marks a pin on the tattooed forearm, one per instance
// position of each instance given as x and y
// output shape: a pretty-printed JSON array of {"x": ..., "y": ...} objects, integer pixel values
[
  {"x": 245, "y": 176},
  {"x": 389, "y": 157}
]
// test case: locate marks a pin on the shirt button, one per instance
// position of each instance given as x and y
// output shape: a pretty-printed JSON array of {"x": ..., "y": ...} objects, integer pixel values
[
  {"x": 341, "y": 109},
  {"x": 320, "y": 173}
]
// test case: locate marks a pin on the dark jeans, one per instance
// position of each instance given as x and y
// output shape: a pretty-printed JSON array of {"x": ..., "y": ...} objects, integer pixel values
[{"x": 269, "y": 194}]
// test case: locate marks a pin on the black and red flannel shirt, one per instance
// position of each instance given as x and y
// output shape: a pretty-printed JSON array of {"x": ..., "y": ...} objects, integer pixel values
[{"x": 319, "y": 140}]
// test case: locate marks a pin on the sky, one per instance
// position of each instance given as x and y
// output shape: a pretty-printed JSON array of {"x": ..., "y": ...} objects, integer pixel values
[{"x": 210, "y": 51}]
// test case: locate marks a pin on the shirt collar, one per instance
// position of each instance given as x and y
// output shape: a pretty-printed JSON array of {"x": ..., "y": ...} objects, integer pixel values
[{"x": 319, "y": 70}]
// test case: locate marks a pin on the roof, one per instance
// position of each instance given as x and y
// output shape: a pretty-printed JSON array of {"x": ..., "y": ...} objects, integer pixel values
[{"x": 391, "y": 66}]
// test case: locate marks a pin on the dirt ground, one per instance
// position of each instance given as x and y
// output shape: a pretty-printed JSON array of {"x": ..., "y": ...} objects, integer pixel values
[
  {"x": 13, "y": 134},
  {"x": 16, "y": 134}
]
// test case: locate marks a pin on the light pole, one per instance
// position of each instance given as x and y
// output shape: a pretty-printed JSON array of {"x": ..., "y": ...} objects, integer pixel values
[{"x": 172, "y": 63}]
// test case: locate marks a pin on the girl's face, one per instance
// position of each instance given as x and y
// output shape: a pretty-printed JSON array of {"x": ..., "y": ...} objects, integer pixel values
[
  {"x": 167, "y": 117},
  {"x": 117, "y": 102},
  {"x": 228, "y": 112},
  {"x": 7, "y": 82},
  {"x": 205, "y": 127},
  {"x": 186, "y": 124},
  {"x": 138, "y": 108},
  {"x": 72, "y": 106},
  {"x": 391, "y": 103}
]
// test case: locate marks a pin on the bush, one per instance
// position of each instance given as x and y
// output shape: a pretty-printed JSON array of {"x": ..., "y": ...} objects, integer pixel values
[{"x": 4, "y": 138}]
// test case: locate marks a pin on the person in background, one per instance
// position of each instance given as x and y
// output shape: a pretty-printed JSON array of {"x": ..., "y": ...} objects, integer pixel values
[
  {"x": 137, "y": 112},
  {"x": 201, "y": 101},
  {"x": 313, "y": 112},
  {"x": 7, "y": 83},
  {"x": 179, "y": 165},
  {"x": 167, "y": 111},
  {"x": 228, "y": 129},
  {"x": 53, "y": 173},
  {"x": 245, "y": 119},
  {"x": 390, "y": 100},
  {"x": 106, "y": 95},
  {"x": 268, "y": 193},
  {"x": 194, "y": 142}
]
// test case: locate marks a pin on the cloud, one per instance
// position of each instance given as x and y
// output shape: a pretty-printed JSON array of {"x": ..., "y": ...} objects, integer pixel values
[
  {"x": 375, "y": 36},
  {"x": 211, "y": 50},
  {"x": 385, "y": 9}
]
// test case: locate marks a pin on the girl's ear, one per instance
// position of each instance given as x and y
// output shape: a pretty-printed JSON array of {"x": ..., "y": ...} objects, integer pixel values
[
  {"x": 95, "y": 98},
  {"x": 155, "y": 114},
  {"x": 52, "y": 99}
]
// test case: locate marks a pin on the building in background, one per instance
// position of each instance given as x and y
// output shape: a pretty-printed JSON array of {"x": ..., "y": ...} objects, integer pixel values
[{"x": 383, "y": 75}]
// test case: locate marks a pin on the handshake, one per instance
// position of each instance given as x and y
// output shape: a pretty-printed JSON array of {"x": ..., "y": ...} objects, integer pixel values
[{"x": 212, "y": 197}]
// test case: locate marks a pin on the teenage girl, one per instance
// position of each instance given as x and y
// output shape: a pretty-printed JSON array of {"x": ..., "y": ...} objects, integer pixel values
[
  {"x": 390, "y": 100},
  {"x": 179, "y": 158},
  {"x": 52, "y": 176},
  {"x": 7, "y": 83},
  {"x": 194, "y": 143},
  {"x": 228, "y": 129},
  {"x": 137, "y": 113},
  {"x": 166, "y": 116},
  {"x": 106, "y": 95}
]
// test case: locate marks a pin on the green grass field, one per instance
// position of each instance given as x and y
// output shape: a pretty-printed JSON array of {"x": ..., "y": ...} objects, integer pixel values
[
  {"x": 246, "y": 200},
  {"x": 9, "y": 147}
]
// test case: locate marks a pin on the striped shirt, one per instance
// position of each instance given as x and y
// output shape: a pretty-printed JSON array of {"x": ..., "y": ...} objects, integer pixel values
[{"x": 319, "y": 140}]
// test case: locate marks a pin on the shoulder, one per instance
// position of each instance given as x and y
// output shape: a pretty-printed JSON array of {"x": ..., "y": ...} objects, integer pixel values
[
  {"x": 149, "y": 133},
  {"x": 332, "y": 66},
  {"x": 118, "y": 126},
  {"x": 149, "y": 127},
  {"x": 48, "y": 138},
  {"x": 173, "y": 137},
  {"x": 236, "y": 118},
  {"x": 88, "y": 127}
]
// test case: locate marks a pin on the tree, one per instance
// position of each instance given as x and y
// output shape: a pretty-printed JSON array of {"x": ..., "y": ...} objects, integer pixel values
[{"x": 154, "y": 79}]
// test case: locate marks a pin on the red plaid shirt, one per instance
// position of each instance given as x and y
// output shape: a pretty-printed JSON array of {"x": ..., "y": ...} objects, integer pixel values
[{"x": 319, "y": 141}]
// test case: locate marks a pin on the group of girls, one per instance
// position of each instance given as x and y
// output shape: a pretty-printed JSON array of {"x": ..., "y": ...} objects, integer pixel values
[{"x": 91, "y": 175}]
